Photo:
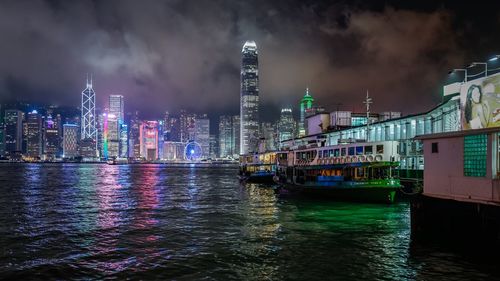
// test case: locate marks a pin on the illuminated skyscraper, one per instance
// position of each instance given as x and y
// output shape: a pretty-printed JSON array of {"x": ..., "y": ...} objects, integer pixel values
[
  {"x": 134, "y": 136},
  {"x": 249, "y": 99},
  {"x": 305, "y": 103},
  {"x": 186, "y": 126},
  {"x": 268, "y": 134},
  {"x": 52, "y": 139},
  {"x": 225, "y": 136},
  {"x": 236, "y": 134},
  {"x": 124, "y": 141},
  {"x": 149, "y": 140},
  {"x": 202, "y": 134},
  {"x": 112, "y": 135},
  {"x": 13, "y": 131},
  {"x": 34, "y": 134},
  {"x": 88, "y": 121},
  {"x": 116, "y": 106},
  {"x": 286, "y": 126},
  {"x": 70, "y": 142}
]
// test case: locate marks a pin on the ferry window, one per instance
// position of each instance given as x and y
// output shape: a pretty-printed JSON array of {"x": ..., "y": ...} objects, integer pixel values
[
  {"x": 330, "y": 152},
  {"x": 343, "y": 151},
  {"x": 361, "y": 172},
  {"x": 336, "y": 152},
  {"x": 359, "y": 150},
  {"x": 434, "y": 147},
  {"x": 368, "y": 149},
  {"x": 320, "y": 154},
  {"x": 475, "y": 155},
  {"x": 351, "y": 150},
  {"x": 380, "y": 149}
]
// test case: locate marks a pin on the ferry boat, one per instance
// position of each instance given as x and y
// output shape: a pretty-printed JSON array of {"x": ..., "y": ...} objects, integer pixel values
[
  {"x": 356, "y": 171},
  {"x": 258, "y": 167}
]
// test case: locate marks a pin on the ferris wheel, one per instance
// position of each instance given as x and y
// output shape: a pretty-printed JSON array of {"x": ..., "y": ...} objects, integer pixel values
[{"x": 192, "y": 151}]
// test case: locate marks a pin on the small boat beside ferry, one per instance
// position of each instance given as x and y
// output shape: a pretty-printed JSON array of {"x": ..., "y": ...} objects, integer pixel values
[
  {"x": 258, "y": 167},
  {"x": 360, "y": 171}
]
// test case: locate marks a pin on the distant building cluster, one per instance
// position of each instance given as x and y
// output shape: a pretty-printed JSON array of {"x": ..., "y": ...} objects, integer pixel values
[{"x": 90, "y": 133}]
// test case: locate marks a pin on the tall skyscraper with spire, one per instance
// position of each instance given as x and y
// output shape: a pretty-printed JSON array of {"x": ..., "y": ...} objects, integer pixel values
[
  {"x": 249, "y": 98},
  {"x": 305, "y": 103},
  {"x": 88, "y": 121}
]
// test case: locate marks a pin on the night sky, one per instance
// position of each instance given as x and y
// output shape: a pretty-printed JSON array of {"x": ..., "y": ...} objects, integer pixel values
[{"x": 167, "y": 55}]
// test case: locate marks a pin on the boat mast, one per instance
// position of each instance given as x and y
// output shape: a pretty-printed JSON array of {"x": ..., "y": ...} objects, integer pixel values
[{"x": 367, "y": 102}]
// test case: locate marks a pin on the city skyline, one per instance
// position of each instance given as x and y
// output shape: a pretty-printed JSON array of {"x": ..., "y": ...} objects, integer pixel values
[{"x": 334, "y": 48}]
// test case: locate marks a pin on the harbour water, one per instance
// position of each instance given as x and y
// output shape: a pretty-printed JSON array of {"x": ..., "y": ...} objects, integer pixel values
[{"x": 91, "y": 221}]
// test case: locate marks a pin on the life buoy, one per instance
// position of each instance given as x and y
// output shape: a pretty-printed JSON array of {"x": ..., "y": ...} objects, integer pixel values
[
  {"x": 341, "y": 160},
  {"x": 347, "y": 159},
  {"x": 369, "y": 158},
  {"x": 378, "y": 157},
  {"x": 362, "y": 158}
]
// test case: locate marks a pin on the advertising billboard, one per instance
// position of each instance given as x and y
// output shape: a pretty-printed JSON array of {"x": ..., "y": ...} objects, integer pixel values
[{"x": 480, "y": 103}]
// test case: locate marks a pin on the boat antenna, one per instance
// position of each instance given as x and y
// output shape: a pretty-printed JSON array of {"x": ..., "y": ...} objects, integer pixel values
[{"x": 367, "y": 102}]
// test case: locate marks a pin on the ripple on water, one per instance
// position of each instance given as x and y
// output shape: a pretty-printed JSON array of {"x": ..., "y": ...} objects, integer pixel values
[{"x": 71, "y": 221}]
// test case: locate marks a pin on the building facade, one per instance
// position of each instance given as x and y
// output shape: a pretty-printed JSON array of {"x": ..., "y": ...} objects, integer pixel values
[
  {"x": 116, "y": 106},
  {"x": 70, "y": 140},
  {"x": 305, "y": 103},
  {"x": 249, "y": 98},
  {"x": 202, "y": 135},
  {"x": 34, "y": 135},
  {"x": 286, "y": 126},
  {"x": 149, "y": 140},
  {"x": 225, "y": 136},
  {"x": 13, "y": 131},
  {"x": 52, "y": 139},
  {"x": 88, "y": 117}
]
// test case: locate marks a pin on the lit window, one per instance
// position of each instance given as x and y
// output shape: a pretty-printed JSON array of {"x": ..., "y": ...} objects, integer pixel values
[
  {"x": 380, "y": 149},
  {"x": 475, "y": 155}
]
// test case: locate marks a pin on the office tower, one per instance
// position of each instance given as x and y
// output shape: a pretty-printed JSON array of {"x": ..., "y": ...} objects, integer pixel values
[
  {"x": 70, "y": 140},
  {"x": 175, "y": 134},
  {"x": 149, "y": 140},
  {"x": 86, "y": 149},
  {"x": 111, "y": 136},
  {"x": 249, "y": 99},
  {"x": 268, "y": 133},
  {"x": 88, "y": 117},
  {"x": 13, "y": 131},
  {"x": 124, "y": 141},
  {"x": 236, "y": 136},
  {"x": 286, "y": 126},
  {"x": 116, "y": 106},
  {"x": 225, "y": 136},
  {"x": 202, "y": 134},
  {"x": 186, "y": 126},
  {"x": 214, "y": 147},
  {"x": 305, "y": 103},
  {"x": 34, "y": 135},
  {"x": 134, "y": 136},
  {"x": 52, "y": 138}
]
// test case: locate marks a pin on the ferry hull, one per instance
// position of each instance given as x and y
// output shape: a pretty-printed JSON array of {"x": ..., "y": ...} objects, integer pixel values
[
  {"x": 261, "y": 178},
  {"x": 359, "y": 194}
]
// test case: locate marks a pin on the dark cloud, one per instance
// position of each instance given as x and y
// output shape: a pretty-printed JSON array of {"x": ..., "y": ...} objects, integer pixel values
[{"x": 166, "y": 55}]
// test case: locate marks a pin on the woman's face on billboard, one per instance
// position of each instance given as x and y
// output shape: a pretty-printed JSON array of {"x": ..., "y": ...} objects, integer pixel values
[{"x": 476, "y": 95}]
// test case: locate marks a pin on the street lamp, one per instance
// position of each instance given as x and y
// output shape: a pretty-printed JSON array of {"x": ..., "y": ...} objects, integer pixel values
[
  {"x": 459, "y": 69},
  {"x": 481, "y": 63},
  {"x": 494, "y": 58}
]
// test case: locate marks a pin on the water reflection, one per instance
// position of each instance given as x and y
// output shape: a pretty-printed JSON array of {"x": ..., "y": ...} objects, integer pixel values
[
  {"x": 76, "y": 221},
  {"x": 260, "y": 233}
]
